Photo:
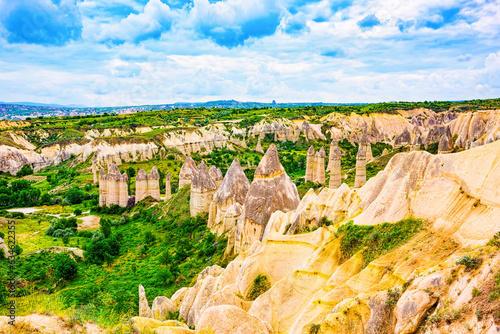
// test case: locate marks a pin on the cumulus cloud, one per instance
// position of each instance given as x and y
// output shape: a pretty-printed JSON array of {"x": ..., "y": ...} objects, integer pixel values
[
  {"x": 43, "y": 22},
  {"x": 369, "y": 22},
  {"x": 155, "y": 18},
  {"x": 230, "y": 23}
]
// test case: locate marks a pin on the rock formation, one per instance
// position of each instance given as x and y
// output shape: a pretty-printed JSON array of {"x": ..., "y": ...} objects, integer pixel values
[
  {"x": 168, "y": 187},
  {"x": 403, "y": 139},
  {"x": 154, "y": 184},
  {"x": 187, "y": 171},
  {"x": 203, "y": 188},
  {"x": 141, "y": 185},
  {"x": 113, "y": 188},
  {"x": 216, "y": 175},
  {"x": 258, "y": 148},
  {"x": 229, "y": 199},
  {"x": 360, "y": 178},
  {"x": 319, "y": 166},
  {"x": 310, "y": 164},
  {"x": 444, "y": 145},
  {"x": 271, "y": 190},
  {"x": 335, "y": 167}
]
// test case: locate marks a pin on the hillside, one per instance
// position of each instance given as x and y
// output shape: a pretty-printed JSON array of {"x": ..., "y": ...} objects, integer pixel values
[{"x": 230, "y": 221}]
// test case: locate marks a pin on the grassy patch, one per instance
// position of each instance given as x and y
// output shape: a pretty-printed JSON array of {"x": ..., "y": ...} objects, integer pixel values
[
  {"x": 376, "y": 240},
  {"x": 259, "y": 286}
]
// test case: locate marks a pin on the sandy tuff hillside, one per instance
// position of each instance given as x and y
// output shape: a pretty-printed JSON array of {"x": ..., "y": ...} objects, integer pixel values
[{"x": 310, "y": 283}]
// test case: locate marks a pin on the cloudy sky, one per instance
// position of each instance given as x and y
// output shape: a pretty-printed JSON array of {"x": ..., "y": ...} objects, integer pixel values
[{"x": 130, "y": 52}]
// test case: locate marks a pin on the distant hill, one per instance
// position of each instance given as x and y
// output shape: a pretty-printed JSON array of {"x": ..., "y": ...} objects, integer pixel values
[{"x": 22, "y": 110}]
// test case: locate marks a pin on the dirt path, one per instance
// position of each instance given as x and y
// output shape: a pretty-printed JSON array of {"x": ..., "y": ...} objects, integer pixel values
[
  {"x": 25, "y": 210},
  {"x": 89, "y": 222}
]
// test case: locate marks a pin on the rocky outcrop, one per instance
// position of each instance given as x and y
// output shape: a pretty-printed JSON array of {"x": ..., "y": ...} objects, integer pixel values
[
  {"x": 141, "y": 185},
  {"x": 271, "y": 190},
  {"x": 168, "y": 187},
  {"x": 444, "y": 145},
  {"x": 113, "y": 187},
  {"x": 203, "y": 188},
  {"x": 154, "y": 184},
  {"x": 13, "y": 159},
  {"x": 147, "y": 184},
  {"x": 335, "y": 167},
  {"x": 403, "y": 139},
  {"x": 216, "y": 175},
  {"x": 360, "y": 178},
  {"x": 480, "y": 126},
  {"x": 310, "y": 164},
  {"x": 229, "y": 199},
  {"x": 258, "y": 148},
  {"x": 319, "y": 166},
  {"x": 188, "y": 170},
  {"x": 144, "y": 309},
  {"x": 236, "y": 321}
]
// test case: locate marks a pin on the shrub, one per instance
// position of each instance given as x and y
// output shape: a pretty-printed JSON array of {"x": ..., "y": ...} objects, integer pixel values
[
  {"x": 469, "y": 262},
  {"x": 324, "y": 222},
  {"x": 105, "y": 227},
  {"x": 475, "y": 292},
  {"x": 75, "y": 195},
  {"x": 18, "y": 250},
  {"x": 314, "y": 329},
  {"x": 25, "y": 170},
  {"x": 495, "y": 241},
  {"x": 393, "y": 297},
  {"x": 77, "y": 212},
  {"x": 65, "y": 267},
  {"x": 149, "y": 238},
  {"x": 3, "y": 294},
  {"x": 45, "y": 199},
  {"x": 259, "y": 286}
]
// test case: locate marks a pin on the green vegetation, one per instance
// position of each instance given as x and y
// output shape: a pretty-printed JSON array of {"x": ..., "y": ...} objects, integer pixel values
[
  {"x": 161, "y": 247},
  {"x": 259, "y": 285},
  {"x": 495, "y": 240},
  {"x": 376, "y": 240},
  {"x": 393, "y": 296},
  {"x": 495, "y": 294},
  {"x": 25, "y": 170},
  {"x": 313, "y": 328},
  {"x": 470, "y": 262},
  {"x": 18, "y": 193}
]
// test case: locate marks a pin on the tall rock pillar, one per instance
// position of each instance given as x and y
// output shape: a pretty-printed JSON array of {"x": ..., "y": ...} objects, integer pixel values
[
  {"x": 335, "y": 169},
  {"x": 187, "y": 171},
  {"x": 123, "y": 199},
  {"x": 168, "y": 188},
  {"x": 113, "y": 181},
  {"x": 360, "y": 179},
  {"x": 203, "y": 189},
  {"x": 154, "y": 184},
  {"x": 310, "y": 164},
  {"x": 103, "y": 188},
  {"x": 141, "y": 185},
  {"x": 319, "y": 166}
]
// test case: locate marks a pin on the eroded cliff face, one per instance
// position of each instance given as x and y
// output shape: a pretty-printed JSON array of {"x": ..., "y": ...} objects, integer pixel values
[
  {"x": 413, "y": 127},
  {"x": 312, "y": 284}
]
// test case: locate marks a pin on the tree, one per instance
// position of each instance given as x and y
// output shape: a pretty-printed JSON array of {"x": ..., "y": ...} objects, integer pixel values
[
  {"x": 130, "y": 172},
  {"x": 65, "y": 267},
  {"x": 18, "y": 250},
  {"x": 105, "y": 227},
  {"x": 3, "y": 294},
  {"x": 25, "y": 170},
  {"x": 45, "y": 199},
  {"x": 77, "y": 212},
  {"x": 75, "y": 195}
]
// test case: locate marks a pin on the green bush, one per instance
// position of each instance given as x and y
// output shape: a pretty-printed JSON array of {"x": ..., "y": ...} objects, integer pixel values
[
  {"x": 65, "y": 267},
  {"x": 259, "y": 286},
  {"x": 470, "y": 262},
  {"x": 375, "y": 240},
  {"x": 18, "y": 250},
  {"x": 25, "y": 170},
  {"x": 75, "y": 195},
  {"x": 3, "y": 294},
  {"x": 77, "y": 212}
]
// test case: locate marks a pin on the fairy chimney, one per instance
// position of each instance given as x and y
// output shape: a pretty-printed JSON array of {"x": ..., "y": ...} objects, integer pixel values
[
  {"x": 154, "y": 184},
  {"x": 216, "y": 175},
  {"x": 123, "y": 199},
  {"x": 360, "y": 179},
  {"x": 271, "y": 190},
  {"x": 310, "y": 164},
  {"x": 103, "y": 188},
  {"x": 259, "y": 147},
  {"x": 335, "y": 171},
  {"x": 203, "y": 188},
  {"x": 168, "y": 187},
  {"x": 187, "y": 171},
  {"x": 141, "y": 185},
  {"x": 319, "y": 166}
]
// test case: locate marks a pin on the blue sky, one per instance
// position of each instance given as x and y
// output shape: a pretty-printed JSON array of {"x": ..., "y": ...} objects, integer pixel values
[{"x": 130, "y": 52}]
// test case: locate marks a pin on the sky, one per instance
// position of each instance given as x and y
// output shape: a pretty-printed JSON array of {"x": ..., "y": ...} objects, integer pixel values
[{"x": 133, "y": 52}]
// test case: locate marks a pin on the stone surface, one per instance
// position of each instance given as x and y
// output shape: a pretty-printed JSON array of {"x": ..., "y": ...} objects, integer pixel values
[
  {"x": 161, "y": 308},
  {"x": 154, "y": 184},
  {"x": 113, "y": 188},
  {"x": 227, "y": 319},
  {"x": 141, "y": 185},
  {"x": 335, "y": 167},
  {"x": 360, "y": 178},
  {"x": 271, "y": 190},
  {"x": 187, "y": 172},
  {"x": 168, "y": 187},
  {"x": 203, "y": 188},
  {"x": 144, "y": 309}
]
